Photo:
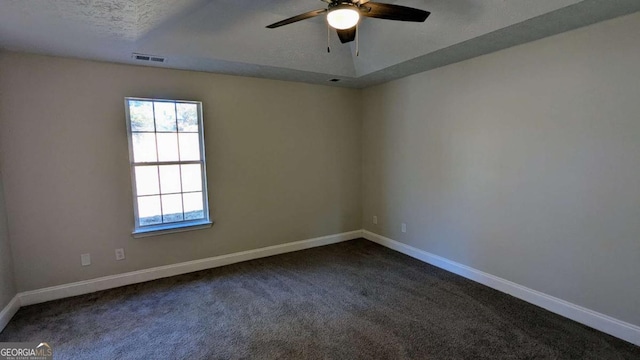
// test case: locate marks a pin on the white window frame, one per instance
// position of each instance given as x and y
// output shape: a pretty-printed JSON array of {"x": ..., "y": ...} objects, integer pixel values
[{"x": 179, "y": 226}]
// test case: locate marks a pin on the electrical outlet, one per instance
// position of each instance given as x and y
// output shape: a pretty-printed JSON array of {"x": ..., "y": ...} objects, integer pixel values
[
  {"x": 375, "y": 220},
  {"x": 85, "y": 259},
  {"x": 119, "y": 254},
  {"x": 404, "y": 227}
]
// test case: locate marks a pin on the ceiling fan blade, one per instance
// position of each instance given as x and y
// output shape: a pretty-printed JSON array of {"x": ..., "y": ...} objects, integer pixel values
[
  {"x": 297, "y": 18},
  {"x": 347, "y": 35},
  {"x": 393, "y": 12}
]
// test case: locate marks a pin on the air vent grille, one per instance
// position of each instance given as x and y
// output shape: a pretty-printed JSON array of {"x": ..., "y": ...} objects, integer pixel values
[{"x": 144, "y": 57}]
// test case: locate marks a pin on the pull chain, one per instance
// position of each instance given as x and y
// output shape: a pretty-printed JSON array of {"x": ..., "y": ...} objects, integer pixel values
[
  {"x": 357, "y": 37},
  {"x": 328, "y": 38}
]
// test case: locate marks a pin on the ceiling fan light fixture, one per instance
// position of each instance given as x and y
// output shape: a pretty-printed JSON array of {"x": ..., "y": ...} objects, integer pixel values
[{"x": 343, "y": 17}]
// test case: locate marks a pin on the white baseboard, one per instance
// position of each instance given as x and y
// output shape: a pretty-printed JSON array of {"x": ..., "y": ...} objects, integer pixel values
[
  {"x": 7, "y": 313},
  {"x": 598, "y": 321},
  {"x": 114, "y": 281}
]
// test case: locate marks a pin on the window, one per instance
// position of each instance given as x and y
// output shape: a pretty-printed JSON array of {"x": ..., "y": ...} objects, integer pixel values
[{"x": 166, "y": 151}]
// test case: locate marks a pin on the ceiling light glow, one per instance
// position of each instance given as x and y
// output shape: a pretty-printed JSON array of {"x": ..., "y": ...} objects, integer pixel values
[{"x": 343, "y": 18}]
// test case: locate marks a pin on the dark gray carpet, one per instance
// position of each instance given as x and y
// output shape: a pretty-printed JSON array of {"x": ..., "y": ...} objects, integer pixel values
[{"x": 353, "y": 300}]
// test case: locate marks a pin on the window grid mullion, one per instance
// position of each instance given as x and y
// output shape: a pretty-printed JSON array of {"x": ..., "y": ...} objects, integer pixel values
[
  {"x": 175, "y": 109},
  {"x": 173, "y": 193},
  {"x": 160, "y": 163},
  {"x": 162, "y": 132},
  {"x": 155, "y": 135}
]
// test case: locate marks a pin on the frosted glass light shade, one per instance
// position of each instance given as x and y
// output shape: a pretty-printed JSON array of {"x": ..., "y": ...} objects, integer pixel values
[{"x": 343, "y": 18}]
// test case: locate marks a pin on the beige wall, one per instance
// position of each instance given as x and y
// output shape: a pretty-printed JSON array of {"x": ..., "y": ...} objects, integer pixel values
[
  {"x": 284, "y": 164},
  {"x": 7, "y": 284},
  {"x": 524, "y": 163}
]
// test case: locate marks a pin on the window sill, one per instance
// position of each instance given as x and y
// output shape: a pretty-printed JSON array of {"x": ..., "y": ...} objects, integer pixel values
[{"x": 171, "y": 228}]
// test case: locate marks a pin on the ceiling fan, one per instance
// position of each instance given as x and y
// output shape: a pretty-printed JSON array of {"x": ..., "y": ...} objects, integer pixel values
[{"x": 344, "y": 15}]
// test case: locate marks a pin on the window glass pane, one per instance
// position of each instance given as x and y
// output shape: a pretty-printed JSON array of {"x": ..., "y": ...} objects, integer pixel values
[
  {"x": 193, "y": 208},
  {"x": 149, "y": 210},
  {"x": 191, "y": 178},
  {"x": 141, "y": 115},
  {"x": 165, "y": 116},
  {"x": 171, "y": 208},
  {"x": 187, "y": 117},
  {"x": 144, "y": 147},
  {"x": 167, "y": 146},
  {"x": 189, "y": 146},
  {"x": 170, "y": 178},
  {"x": 147, "y": 180}
]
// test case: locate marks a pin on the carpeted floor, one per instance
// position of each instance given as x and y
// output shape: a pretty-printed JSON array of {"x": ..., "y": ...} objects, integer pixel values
[{"x": 353, "y": 300}]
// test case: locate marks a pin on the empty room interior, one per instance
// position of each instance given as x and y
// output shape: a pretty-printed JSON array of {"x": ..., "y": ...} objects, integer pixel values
[{"x": 320, "y": 179}]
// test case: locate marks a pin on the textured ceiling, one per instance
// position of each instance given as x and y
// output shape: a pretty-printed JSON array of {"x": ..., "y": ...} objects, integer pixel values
[{"x": 229, "y": 36}]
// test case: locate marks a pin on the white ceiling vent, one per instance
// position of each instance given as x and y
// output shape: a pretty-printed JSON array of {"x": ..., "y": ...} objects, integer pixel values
[{"x": 144, "y": 57}]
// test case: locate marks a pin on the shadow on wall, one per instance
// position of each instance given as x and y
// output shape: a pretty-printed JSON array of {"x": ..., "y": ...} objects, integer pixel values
[
  {"x": 412, "y": 175},
  {"x": 7, "y": 283}
]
